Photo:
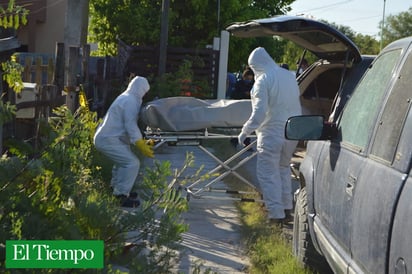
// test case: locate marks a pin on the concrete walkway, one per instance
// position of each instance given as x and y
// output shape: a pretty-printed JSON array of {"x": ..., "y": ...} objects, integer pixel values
[{"x": 212, "y": 243}]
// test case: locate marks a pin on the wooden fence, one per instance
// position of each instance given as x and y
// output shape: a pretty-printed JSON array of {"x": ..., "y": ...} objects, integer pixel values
[
  {"x": 37, "y": 69},
  {"x": 40, "y": 70},
  {"x": 52, "y": 76}
]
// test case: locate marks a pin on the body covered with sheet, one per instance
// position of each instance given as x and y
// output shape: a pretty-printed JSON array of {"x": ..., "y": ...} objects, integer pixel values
[{"x": 189, "y": 113}]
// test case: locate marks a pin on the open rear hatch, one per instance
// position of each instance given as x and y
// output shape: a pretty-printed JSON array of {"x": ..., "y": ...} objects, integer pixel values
[{"x": 322, "y": 40}]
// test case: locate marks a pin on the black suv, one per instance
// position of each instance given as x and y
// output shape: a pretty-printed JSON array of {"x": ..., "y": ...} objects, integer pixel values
[{"x": 354, "y": 205}]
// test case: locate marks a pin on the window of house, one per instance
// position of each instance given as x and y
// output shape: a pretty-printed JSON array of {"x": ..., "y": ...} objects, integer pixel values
[{"x": 360, "y": 114}]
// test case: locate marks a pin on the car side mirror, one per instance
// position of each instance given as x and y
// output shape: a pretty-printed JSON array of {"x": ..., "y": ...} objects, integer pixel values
[{"x": 310, "y": 127}]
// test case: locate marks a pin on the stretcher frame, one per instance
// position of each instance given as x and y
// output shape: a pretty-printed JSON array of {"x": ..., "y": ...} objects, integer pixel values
[{"x": 201, "y": 188}]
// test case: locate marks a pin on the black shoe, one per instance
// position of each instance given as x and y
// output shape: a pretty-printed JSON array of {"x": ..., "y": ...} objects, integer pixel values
[{"x": 127, "y": 201}]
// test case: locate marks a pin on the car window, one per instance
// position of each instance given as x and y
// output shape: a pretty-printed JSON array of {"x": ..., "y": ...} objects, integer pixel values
[
  {"x": 353, "y": 76},
  {"x": 323, "y": 40},
  {"x": 325, "y": 86},
  {"x": 360, "y": 113},
  {"x": 394, "y": 115}
]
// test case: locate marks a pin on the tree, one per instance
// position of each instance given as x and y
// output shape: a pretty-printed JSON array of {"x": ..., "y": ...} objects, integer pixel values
[
  {"x": 366, "y": 43},
  {"x": 290, "y": 52},
  {"x": 192, "y": 24},
  {"x": 134, "y": 22},
  {"x": 397, "y": 26}
]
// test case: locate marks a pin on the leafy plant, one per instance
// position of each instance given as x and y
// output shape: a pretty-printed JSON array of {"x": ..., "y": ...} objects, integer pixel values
[
  {"x": 268, "y": 247},
  {"x": 7, "y": 111},
  {"x": 13, "y": 15},
  {"x": 60, "y": 193},
  {"x": 11, "y": 18},
  {"x": 12, "y": 72},
  {"x": 181, "y": 83}
]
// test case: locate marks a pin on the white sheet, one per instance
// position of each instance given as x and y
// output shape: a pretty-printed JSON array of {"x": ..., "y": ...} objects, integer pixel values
[{"x": 188, "y": 113}]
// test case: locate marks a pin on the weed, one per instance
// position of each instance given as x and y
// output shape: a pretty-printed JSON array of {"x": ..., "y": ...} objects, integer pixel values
[{"x": 59, "y": 192}]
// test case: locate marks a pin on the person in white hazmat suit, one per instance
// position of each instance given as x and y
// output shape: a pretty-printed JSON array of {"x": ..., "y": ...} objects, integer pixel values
[
  {"x": 274, "y": 98},
  {"x": 115, "y": 135}
]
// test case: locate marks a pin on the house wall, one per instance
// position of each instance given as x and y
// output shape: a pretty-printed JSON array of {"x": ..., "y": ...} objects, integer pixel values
[{"x": 47, "y": 24}]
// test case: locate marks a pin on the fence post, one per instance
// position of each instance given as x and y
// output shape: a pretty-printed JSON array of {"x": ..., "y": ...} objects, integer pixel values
[
  {"x": 223, "y": 59},
  {"x": 50, "y": 71},
  {"x": 27, "y": 69},
  {"x": 71, "y": 81},
  {"x": 85, "y": 63},
  {"x": 38, "y": 75},
  {"x": 59, "y": 69}
]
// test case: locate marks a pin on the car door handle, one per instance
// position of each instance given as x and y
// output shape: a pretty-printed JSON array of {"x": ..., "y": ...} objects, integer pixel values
[{"x": 350, "y": 185}]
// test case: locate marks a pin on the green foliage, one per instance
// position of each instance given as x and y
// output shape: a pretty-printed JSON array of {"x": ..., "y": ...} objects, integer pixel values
[
  {"x": 13, "y": 16},
  {"x": 110, "y": 20},
  {"x": 292, "y": 53},
  {"x": 192, "y": 24},
  {"x": 7, "y": 111},
  {"x": 61, "y": 193},
  {"x": 397, "y": 26},
  {"x": 366, "y": 43},
  {"x": 12, "y": 72},
  {"x": 180, "y": 83},
  {"x": 269, "y": 248}
]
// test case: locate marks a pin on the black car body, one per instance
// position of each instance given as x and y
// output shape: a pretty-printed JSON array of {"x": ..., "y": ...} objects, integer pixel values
[{"x": 354, "y": 206}]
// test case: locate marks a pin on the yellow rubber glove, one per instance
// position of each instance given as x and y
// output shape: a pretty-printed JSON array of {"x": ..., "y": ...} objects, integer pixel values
[
  {"x": 151, "y": 142},
  {"x": 145, "y": 148}
]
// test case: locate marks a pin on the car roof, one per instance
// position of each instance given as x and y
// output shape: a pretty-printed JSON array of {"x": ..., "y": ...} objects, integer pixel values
[
  {"x": 400, "y": 43},
  {"x": 319, "y": 38}
]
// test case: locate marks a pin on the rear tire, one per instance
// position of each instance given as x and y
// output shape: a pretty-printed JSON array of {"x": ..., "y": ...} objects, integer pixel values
[{"x": 302, "y": 244}]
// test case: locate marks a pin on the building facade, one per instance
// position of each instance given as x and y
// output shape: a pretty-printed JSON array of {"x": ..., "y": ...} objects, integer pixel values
[{"x": 51, "y": 22}]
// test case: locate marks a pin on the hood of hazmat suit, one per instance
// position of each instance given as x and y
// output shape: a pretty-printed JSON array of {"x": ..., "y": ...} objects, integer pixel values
[{"x": 122, "y": 116}]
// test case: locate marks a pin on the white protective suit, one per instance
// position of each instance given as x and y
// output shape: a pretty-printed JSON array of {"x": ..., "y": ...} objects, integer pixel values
[
  {"x": 274, "y": 98},
  {"x": 118, "y": 131}
]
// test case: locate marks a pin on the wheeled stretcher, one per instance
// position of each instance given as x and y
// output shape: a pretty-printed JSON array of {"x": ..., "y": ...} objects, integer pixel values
[
  {"x": 177, "y": 120},
  {"x": 230, "y": 166}
]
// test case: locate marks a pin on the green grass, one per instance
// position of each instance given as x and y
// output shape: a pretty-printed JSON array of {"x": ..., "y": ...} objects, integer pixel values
[{"x": 268, "y": 247}]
